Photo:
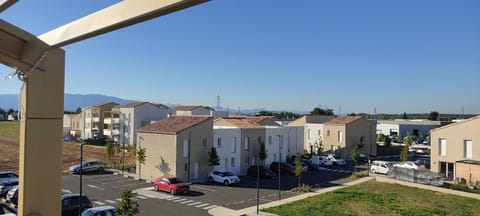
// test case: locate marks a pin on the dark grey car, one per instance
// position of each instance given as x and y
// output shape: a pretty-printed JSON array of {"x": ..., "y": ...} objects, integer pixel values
[{"x": 88, "y": 166}]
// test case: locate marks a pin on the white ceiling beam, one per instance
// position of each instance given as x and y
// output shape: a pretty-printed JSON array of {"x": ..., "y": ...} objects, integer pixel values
[{"x": 120, "y": 15}]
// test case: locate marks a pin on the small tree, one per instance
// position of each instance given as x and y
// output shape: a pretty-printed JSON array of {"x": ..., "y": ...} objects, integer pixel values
[
  {"x": 380, "y": 138},
  {"x": 408, "y": 140},
  {"x": 355, "y": 154},
  {"x": 388, "y": 141},
  {"x": 128, "y": 205},
  {"x": 109, "y": 150},
  {"x": 262, "y": 154},
  {"x": 141, "y": 160},
  {"x": 404, "y": 115},
  {"x": 298, "y": 169},
  {"x": 404, "y": 153},
  {"x": 320, "y": 148},
  {"x": 213, "y": 159}
]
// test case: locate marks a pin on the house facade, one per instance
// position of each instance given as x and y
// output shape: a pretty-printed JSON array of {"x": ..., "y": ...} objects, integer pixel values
[
  {"x": 133, "y": 116},
  {"x": 193, "y": 110},
  {"x": 92, "y": 120},
  {"x": 313, "y": 131},
  {"x": 404, "y": 127},
  {"x": 344, "y": 133},
  {"x": 71, "y": 125},
  {"x": 455, "y": 150},
  {"x": 176, "y": 146}
]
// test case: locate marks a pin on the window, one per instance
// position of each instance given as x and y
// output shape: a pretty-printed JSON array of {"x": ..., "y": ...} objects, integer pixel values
[
  {"x": 232, "y": 162},
  {"x": 467, "y": 146},
  {"x": 442, "y": 147},
  {"x": 319, "y": 133},
  {"x": 219, "y": 142},
  {"x": 204, "y": 144},
  {"x": 340, "y": 136},
  {"x": 186, "y": 167},
  {"x": 308, "y": 134},
  {"x": 247, "y": 160},
  {"x": 185, "y": 148},
  {"x": 328, "y": 132},
  {"x": 274, "y": 157},
  {"x": 269, "y": 140},
  {"x": 247, "y": 143},
  {"x": 105, "y": 126},
  {"x": 226, "y": 163},
  {"x": 234, "y": 144}
]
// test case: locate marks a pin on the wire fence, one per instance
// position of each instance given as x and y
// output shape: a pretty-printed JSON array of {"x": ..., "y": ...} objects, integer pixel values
[{"x": 417, "y": 176}]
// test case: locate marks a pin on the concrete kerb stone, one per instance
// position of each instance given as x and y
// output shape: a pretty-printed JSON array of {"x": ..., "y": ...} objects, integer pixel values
[{"x": 222, "y": 211}]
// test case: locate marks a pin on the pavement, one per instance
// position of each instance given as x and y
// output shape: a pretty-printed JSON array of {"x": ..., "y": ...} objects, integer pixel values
[{"x": 223, "y": 211}]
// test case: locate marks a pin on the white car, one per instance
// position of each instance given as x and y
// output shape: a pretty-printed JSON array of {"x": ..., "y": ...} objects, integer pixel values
[
  {"x": 223, "y": 177},
  {"x": 336, "y": 161},
  {"x": 381, "y": 167},
  {"x": 321, "y": 160},
  {"x": 408, "y": 165}
]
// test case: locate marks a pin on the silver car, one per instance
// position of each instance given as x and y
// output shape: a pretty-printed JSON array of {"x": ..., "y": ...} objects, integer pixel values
[{"x": 88, "y": 166}]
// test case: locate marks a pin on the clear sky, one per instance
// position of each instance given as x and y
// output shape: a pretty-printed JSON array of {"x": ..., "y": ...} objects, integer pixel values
[{"x": 397, "y": 56}]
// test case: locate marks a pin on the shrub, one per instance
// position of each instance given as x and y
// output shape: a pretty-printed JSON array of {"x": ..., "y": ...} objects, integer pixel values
[{"x": 302, "y": 189}]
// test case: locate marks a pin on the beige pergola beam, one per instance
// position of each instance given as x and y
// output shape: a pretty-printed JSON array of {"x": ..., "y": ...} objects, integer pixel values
[{"x": 122, "y": 14}]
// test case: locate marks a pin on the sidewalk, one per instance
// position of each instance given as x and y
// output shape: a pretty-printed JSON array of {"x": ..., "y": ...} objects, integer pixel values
[{"x": 222, "y": 211}]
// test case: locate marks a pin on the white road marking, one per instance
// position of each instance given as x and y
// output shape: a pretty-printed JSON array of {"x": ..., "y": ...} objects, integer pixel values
[
  {"x": 179, "y": 200},
  {"x": 188, "y": 201},
  {"x": 99, "y": 203},
  {"x": 202, "y": 188},
  {"x": 202, "y": 205},
  {"x": 66, "y": 191},
  {"x": 194, "y": 203},
  {"x": 110, "y": 201},
  {"x": 118, "y": 199},
  {"x": 142, "y": 197},
  {"x": 209, "y": 207},
  {"x": 94, "y": 186}
]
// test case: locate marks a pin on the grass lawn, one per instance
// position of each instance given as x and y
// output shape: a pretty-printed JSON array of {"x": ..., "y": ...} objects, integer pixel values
[
  {"x": 9, "y": 128},
  {"x": 374, "y": 198}
]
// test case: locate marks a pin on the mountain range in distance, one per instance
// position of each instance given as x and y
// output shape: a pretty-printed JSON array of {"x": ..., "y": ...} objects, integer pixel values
[{"x": 73, "y": 101}]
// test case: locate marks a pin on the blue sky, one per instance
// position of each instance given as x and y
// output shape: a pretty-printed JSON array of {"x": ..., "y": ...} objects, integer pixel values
[{"x": 397, "y": 56}]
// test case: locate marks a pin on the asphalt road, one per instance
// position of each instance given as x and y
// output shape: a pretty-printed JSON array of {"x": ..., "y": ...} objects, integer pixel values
[{"x": 105, "y": 189}]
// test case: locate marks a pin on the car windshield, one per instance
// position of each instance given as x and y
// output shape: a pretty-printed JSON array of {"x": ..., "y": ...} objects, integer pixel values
[
  {"x": 227, "y": 173},
  {"x": 175, "y": 181}
]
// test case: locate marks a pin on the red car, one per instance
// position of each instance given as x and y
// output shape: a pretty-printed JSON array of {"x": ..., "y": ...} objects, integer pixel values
[{"x": 170, "y": 184}]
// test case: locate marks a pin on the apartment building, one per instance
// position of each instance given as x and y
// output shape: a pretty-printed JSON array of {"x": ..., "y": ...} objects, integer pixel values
[
  {"x": 71, "y": 125},
  {"x": 92, "y": 120},
  {"x": 405, "y": 127},
  {"x": 455, "y": 150},
  {"x": 313, "y": 131}
]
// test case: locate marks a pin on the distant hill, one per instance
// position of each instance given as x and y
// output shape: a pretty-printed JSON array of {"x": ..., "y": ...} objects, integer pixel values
[{"x": 72, "y": 101}]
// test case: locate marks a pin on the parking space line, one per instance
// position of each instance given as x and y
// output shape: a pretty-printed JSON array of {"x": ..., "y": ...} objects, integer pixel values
[
  {"x": 172, "y": 198},
  {"x": 125, "y": 185},
  {"x": 209, "y": 207},
  {"x": 110, "y": 201},
  {"x": 142, "y": 197},
  {"x": 118, "y": 199},
  {"x": 194, "y": 203},
  {"x": 188, "y": 201},
  {"x": 98, "y": 203},
  {"x": 202, "y": 205},
  {"x": 179, "y": 200},
  {"x": 202, "y": 188}
]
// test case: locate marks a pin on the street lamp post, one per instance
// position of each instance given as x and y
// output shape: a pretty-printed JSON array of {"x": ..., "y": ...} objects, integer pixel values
[{"x": 279, "y": 161}]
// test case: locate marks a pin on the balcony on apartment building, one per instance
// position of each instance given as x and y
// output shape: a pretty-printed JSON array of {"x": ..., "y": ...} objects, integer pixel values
[
  {"x": 95, "y": 119},
  {"x": 115, "y": 132}
]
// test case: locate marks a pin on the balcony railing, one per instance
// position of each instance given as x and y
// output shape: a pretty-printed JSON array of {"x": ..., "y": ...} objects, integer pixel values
[
  {"x": 95, "y": 119},
  {"x": 116, "y": 121},
  {"x": 115, "y": 132},
  {"x": 107, "y": 120}
]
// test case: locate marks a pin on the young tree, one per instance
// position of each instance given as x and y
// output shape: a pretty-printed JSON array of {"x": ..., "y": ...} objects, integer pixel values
[
  {"x": 298, "y": 169},
  {"x": 380, "y": 138},
  {"x": 262, "y": 154},
  {"x": 355, "y": 154},
  {"x": 320, "y": 111},
  {"x": 320, "y": 148},
  {"x": 404, "y": 153},
  {"x": 141, "y": 160},
  {"x": 109, "y": 150},
  {"x": 128, "y": 205},
  {"x": 404, "y": 115},
  {"x": 213, "y": 159},
  {"x": 408, "y": 140},
  {"x": 388, "y": 141}
]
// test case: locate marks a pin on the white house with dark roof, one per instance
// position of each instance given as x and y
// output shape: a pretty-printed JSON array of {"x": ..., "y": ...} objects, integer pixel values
[
  {"x": 177, "y": 146},
  {"x": 129, "y": 117},
  {"x": 405, "y": 127}
]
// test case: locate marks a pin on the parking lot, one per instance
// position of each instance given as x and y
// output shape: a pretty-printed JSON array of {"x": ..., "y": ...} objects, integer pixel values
[{"x": 105, "y": 189}]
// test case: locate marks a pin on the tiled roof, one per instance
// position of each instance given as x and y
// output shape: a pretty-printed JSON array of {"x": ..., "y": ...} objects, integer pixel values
[
  {"x": 189, "y": 107},
  {"x": 242, "y": 122},
  {"x": 343, "y": 120},
  {"x": 174, "y": 124},
  {"x": 104, "y": 103},
  {"x": 161, "y": 106},
  {"x": 133, "y": 104},
  {"x": 456, "y": 123}
]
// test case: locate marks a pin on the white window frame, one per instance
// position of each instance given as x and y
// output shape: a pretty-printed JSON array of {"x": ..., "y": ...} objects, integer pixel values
[
  {"x": 309, "y": 134},
  {"x": 340, "y": 136},
  {"x": 232, "y": 162},
  {"x": 468, "y": 149},
  {"x": 219, "y": 142},
  {"x": 247, "y": 143},
  {"x": 234, "y": 144},
  {"x": 269, "y": 140},
  {"x": 185, "y": 148},
  {"x": 442, "y": 147}
]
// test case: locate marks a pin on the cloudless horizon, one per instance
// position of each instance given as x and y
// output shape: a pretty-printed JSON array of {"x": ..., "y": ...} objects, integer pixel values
[{"x": 395, "y": 56}]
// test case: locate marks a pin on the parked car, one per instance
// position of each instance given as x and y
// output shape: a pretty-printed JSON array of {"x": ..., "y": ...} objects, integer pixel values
[
  {"x": 285, "y": 168},
  {"x": 5, "y": 210},
  {"x": 408, "y": 165},
  {"x": 99, "y": 211},
  {"x": 264, "y": 173},
  {"x": 423, "y": 162},
  {"x": 171, "y": 185},
  {"x": 321, "y": 160},
  {"x": 88, "y": 166},
  {"x": 6, "y": 186},
  {"x": 422, "y": 151},
  {"x": 225, "y": 177},
  {"x": 12, "y": 195},
  {"x": 311, "y": 166},
  {"x": 8, "y": 176},
  {"x": 381, "y": 167},
  {"x": 305, "y": 166},
  {"x": 71, "y": 204},
  {"x": 336, "y": 161}
]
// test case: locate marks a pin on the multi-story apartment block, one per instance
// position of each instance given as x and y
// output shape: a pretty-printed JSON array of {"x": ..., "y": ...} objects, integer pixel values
[
  {"x": 92, "y": 120},
  {"x": 456, "y": 150},
  {"x": 71, "y": 125},
  {"x": 313, "y": 131}
]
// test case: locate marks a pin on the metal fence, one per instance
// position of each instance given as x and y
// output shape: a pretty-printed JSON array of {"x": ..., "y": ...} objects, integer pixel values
[{"x": 417, "y": 176}]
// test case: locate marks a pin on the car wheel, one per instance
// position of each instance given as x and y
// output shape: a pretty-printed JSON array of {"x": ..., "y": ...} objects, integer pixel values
[
  {"x": 374, "y": 171},
  {"x": 225, "y": 183},
  {"x": 100, "y": 169},
  {"x": 172, "y": 192},
  {"x": 210, "y": 179},
  {"x": 155, "y": 187}
]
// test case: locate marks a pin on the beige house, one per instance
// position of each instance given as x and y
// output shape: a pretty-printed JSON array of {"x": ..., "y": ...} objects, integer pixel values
[
  {"x": 71, "y": 125},
  {"x": 455, "y": 150},
  {"x": 313, "y": 130},
  {"x": 250, "y": 134},
  {"x": 92, "y": 120},
  {"x": 176, "y": 146},
  {"x": 342, "y": 134}
]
